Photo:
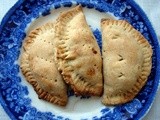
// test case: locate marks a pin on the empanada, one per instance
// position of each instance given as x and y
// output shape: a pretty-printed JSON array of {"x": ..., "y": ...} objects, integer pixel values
[
  {"x": 126, "y": 61},
  {"x": 78, "y": 54},
  {"x": 39, "y": 68}
]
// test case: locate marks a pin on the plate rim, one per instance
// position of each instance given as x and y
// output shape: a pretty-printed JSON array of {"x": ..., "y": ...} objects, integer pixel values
[
  {"x": 145, "y": 18},
  {"x": 2, "y": 24},
  {"x": 150, "y": 101}
]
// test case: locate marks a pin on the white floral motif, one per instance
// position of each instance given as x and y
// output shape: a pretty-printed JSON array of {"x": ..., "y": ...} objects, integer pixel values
[{"x": 11, "y": 40}]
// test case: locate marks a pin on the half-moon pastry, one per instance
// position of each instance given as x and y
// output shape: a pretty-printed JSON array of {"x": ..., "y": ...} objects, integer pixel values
[
  {"x": 126, "y": 61},
  {"x": 39, "y": 68},
  {"x": 78, "y": 54}
]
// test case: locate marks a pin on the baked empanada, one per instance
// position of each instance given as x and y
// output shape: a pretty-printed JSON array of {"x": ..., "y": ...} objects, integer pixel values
[
  {"x": 39, "y": 68},
  {"x": 78, "y": 54},
  {"x": 126, "y": 61}
]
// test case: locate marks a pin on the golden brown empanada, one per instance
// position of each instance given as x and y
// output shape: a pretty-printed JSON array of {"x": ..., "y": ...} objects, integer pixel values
[
  {"x": 78, "y": 55},
  {"x": 126, "y": 61},
  {"x": 38, "y": 65}
]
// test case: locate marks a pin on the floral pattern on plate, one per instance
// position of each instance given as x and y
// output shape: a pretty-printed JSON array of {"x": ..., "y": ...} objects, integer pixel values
[{"x": 14, "y": 96}]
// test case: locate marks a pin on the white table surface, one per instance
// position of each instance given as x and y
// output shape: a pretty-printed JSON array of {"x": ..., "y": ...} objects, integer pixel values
[{"x": 152, "y": 9}]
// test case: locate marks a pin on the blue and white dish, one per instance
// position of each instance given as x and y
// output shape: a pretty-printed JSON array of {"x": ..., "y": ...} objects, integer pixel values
[{"x": 18, "y": 98}]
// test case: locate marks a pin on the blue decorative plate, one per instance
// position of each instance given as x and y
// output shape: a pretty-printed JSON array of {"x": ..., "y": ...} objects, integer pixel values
[{"x": 18, "y": 97}]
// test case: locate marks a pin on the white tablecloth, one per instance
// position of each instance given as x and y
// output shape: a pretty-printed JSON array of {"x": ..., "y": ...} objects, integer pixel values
[{"x": 152, "y": 9}]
